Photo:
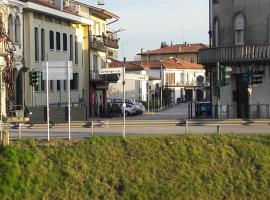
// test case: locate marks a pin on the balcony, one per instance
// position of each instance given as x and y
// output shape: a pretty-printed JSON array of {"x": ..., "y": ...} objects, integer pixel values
[
  {"x": 96, "y": 42},
  {"x": 95, "y": 76},
  {"x": 101, "y": 42},
  {"x": 111, "y": 42},
  {"x": 192, "y": 83},
  {"x": 235, "y": 54}
]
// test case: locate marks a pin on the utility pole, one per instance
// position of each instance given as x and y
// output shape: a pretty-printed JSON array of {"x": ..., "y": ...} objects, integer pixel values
[{"x": 124, "y": 99}]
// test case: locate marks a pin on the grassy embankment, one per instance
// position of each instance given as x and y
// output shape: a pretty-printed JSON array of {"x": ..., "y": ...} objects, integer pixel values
[{"x": 184, "y": 167}]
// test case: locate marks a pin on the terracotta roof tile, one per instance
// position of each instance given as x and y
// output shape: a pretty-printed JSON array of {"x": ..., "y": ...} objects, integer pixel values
[
  {"x": 130, "y": 66},
  {"x": 171, "y": 63},
  {"x": 178, "y": 48}
]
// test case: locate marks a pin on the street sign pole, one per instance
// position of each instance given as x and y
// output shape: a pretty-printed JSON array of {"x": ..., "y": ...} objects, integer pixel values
[
  {"x": 124, "y": 100},
  {"x": 48, "y": 109},
  {"x": 69, "y": 117}
]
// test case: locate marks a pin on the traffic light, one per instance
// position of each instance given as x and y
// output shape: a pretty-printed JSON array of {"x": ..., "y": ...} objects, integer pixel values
[
  {"x": 256, "y": 77},
  {"x": 34, "y": 78},
  {"x": 224, "y": 75}
]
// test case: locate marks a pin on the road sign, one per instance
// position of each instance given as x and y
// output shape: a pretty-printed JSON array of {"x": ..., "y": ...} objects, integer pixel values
[
  {"x": 58, "y": 70},
  {"x": 140, "y": 77},
  {"x": 117, "y": 70}
]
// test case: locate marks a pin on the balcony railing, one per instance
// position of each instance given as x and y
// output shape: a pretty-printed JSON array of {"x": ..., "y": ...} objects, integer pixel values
[
  {"x": 96, "y": 42},
  {"x": 182, "y": 84},
  {"x": 101, "y": 42},
  {"x": 110, "y": 42},
  {"x": 95, "y": 76},
  {"x": 246, "y": 53}
]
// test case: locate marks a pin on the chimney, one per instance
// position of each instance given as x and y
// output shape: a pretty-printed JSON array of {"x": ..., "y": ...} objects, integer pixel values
[
  {"x": 179, "y": 48},
  {"x": 171, "y": 43},
  {"x": 141, "y": 50},
  {"x": 58, "y": 4},
  {"x": 185, "y": 43}
]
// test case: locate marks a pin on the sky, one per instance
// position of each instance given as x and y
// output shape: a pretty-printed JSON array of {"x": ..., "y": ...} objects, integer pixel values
[{"x": 148, "y": 22}]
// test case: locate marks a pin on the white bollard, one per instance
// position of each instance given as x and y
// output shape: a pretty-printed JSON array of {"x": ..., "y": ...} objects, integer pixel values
[
  {"x": 218, "y": 129},
  {"x": 20, "y": 130},
  {"x": 92, "y": 128},
  {"x": 187, "y": 128}
]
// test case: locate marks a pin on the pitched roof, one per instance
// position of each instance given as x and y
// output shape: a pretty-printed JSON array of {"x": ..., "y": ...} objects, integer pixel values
[
  {"x": 171, "y": 63},
  {"x": 175, "y": 63},
  {"x": 130, "y": 66},
  {"x": 178, "y": 48}
]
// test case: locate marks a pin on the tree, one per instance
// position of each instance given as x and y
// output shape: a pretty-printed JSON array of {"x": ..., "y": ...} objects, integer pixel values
[
  {"x": 163, "y": 44},
  {"x": 166, "y": 96}
]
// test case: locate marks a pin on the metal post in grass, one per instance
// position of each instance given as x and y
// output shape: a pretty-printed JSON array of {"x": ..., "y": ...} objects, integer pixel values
[
  {"x": 92, "y": 128},
  {"x": 218, "y": 129},
  {"x": 187, "y": 128},
  {"x": 20, "y": 130}
]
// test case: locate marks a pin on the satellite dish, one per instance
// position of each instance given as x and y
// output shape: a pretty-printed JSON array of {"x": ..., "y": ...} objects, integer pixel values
[{"x": 101, "y": 2}]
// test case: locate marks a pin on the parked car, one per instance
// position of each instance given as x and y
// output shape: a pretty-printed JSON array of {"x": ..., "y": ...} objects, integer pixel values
[
  {"x": 140, "y": 107},
  {"x": 131, "y": 109}
]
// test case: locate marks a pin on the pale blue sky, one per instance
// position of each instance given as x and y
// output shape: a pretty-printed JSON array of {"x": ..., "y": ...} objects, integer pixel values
[{"x": 148, "y": 22}]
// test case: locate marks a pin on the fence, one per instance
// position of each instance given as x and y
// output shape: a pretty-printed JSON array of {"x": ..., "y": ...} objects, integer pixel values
[{"x": 253, "y": 111}]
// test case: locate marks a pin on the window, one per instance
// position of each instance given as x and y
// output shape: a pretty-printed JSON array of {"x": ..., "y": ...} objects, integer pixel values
[
  {"x": 74, "y": 83},
  {"x": 42, "y": 48},
  {"x": 76, "y": 50},
  {"x": 97, "y": 28},
  {"x": 64, "y": 42},
  {"x": 51, "y": 40},
  {"x": 36, "y": 45},
  {"x": 239, "y": 28},
  {"x": 42, "y": 82},
  {"x": 10, "y": 27},
  {"x": 17, "y": 30},
  {"x": 65, "y": 84},
  {"x": 58, "y": 85},
  {"x": 71, "y": 48},
  {"x": 51, "y": 85},
  {"x": 58, "y": 42},
  {"x": 216, "y": 33},
  {"x": 103, "y": 63},
  {"x": 170, "y": 79},
  {"x": 95, "y": 62},
  {"x": 103, "y": 29}
]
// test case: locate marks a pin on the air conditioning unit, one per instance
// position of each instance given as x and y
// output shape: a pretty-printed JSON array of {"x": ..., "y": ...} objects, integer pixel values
[
  {"x": 78, "y": 8},
  {"x": 66, "y": 3}
]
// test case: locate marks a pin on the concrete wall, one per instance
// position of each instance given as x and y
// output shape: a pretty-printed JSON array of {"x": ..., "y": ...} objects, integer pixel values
[{"x": 256, "y": 14}]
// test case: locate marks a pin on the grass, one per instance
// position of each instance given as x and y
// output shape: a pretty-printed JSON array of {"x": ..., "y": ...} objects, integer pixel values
[{"x": 183, "y": 167}]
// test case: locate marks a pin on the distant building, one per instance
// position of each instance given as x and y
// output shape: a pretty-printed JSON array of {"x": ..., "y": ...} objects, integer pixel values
[
  {"x": 240, "y": 46},
  {"x": 187, "y": 52},
  {"x": 185, "y": 80}
]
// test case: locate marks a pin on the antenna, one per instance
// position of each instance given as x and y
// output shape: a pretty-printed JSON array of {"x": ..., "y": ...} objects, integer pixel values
[{"x": 101, "y": 2}]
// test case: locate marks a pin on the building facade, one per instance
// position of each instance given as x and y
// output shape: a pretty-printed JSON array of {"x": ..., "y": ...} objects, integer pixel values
[
  {"x": 11, "y": 56},
  {"x": 187, "y": 52},
  {"x": 240, "y": 39},
  {"x": 54, "y": 34},
  {"x": 185, "y": 80}
]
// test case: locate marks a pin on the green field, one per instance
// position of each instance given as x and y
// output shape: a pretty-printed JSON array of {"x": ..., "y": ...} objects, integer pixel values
[{"x": 180, "y": 167}]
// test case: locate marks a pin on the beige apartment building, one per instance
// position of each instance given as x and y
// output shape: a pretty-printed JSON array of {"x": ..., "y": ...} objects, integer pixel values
[{"x": 187, "y": 52}]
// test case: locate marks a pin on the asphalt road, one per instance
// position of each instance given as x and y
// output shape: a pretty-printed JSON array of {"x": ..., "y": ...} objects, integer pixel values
[{"x": 176, "y": 112}]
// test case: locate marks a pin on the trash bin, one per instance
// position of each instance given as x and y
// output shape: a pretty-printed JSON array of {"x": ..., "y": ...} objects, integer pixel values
[{"x": 203, "y": 109}]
